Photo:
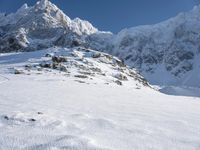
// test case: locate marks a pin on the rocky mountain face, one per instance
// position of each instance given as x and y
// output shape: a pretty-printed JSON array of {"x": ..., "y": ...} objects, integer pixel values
[
  {"x": 166, "y": 53},
  {"x": 39, "y": 27}
]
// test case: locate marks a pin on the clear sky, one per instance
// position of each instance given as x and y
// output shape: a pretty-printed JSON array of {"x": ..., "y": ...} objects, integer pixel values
[{"x": 113, "y": 15}]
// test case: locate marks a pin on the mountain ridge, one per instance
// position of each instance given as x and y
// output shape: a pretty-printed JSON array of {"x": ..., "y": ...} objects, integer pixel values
[
  {"x": 170, "y": 47},
  {"x": 24, "y": 29},
  {"x": 166, "y": 53}
]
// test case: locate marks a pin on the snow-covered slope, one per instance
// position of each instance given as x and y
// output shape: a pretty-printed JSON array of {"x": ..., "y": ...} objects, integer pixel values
[
  {"x": 77, "y": 98},
  {"x": 82, "y": 65},
  {"x": 67, "y": 99},
  {"x": 167, "y": 53}
]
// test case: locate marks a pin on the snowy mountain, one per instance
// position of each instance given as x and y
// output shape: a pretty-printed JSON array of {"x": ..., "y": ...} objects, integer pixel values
[
  {"x": 59, "y": 91},
  {"x": 40, "y": 26},
  {"x": 167, "y": 53}
]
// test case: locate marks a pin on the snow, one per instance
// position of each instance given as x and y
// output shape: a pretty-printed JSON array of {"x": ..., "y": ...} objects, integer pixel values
[
  {"x": 14, "y": 17},
  {"x": 49, "y": 15},
  {"x": 83, "y": 26},
  {"x": 157, "y": 50},
  {"x": 81, "y": 99},
  {"x": 77, "y": 62},
  {"x": 190, "y": 19},
  {"x": 53, "y": 111},
  {"x": 151, "y": 49},
  {"x": 181, "y": 91},
  {"x": 42, "y": 4},
  {"x": 99, "y": 117}
]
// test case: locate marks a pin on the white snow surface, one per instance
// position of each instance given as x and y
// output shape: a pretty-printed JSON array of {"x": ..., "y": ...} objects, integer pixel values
[
  {"x": 91, "y": 102},
  {"x": 51, "y": 111}
]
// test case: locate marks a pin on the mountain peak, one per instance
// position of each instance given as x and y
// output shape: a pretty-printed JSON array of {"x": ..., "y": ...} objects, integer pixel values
[
  {"x": 42, "y": 4},
  {"x": 196, "y": 7},
  {"x": 44, "y": 20},
  {"x": 22, "y": 8}
]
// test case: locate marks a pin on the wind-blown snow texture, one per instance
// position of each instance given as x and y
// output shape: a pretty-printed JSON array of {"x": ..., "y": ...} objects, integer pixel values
[{"x": 46, "y": 103}]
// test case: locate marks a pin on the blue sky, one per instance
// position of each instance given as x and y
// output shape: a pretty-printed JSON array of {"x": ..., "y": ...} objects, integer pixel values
[{"x": 113, "y": 15}]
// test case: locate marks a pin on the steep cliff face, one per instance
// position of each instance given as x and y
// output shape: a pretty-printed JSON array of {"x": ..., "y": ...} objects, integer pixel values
[{"x": 165, "y": 53}]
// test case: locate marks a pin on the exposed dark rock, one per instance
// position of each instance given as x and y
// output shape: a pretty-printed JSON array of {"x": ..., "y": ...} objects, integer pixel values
[
  {"x": 11, "y": 40},
  {"x": 81, "y": 76},
  {"x": 128, "y": 57},
  {"x": 118, "y": 82},
  {"x": 75, "y": 43},
  {"x": 60, "y": 41},
  {"x": 6, "y": 117},
  {"x": 40, "y": 113},
  {"x": 59, "y": 59},
  {"x": 120, "y": 63},
  {"x": 63, "y": 68},
  {"x": 28, "y": 67},
  {"x": 121, "y": 77},
  {"x": 96, "y": 55},
  {"x": 79, "y": 81},
  {"x": 96, "y": 70},
  {"x": 186, "y": 56},
  {"x": 16, "y": 71},
  {"x": 55, "y": 65},
  {"x": 45, "y": 65},
  {"x": 85, "y": 73},
  {"x": 32, "y": 120}
]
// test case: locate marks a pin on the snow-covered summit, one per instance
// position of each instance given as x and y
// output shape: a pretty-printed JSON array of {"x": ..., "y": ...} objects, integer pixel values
[
  {"x": 44, "y": 24},
  {"x": 42, "y": 4},
  {"x": 53, "y": 14}
]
